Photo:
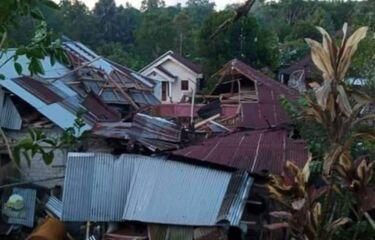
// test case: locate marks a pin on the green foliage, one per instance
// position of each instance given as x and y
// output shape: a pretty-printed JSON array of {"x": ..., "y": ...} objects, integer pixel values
[
  {"x": 39, "y": 45},
  {"x": 311, "y": 131},
  {"x": 135, "y": 38},
  {"x": 155, "y": 34},
  {"x": 151, "y": 5},
  {"x": 292, "y": 51},
  {"x": 244, "y": 40},
  {"x": 363, "y": 66},
  {"x": 38, "y": 143}
]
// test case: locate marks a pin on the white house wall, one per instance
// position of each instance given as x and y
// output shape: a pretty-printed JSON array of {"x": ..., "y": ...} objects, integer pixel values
[
  {"x": 178, "y": 70},
  {"x": 159, "y": 79},
  {"x": 182, "y": 74}
]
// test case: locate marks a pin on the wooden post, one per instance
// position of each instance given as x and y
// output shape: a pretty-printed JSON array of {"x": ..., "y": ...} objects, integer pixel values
[
  {"x": 87, "y": 230},
  {"x": 192, "y": 108}
]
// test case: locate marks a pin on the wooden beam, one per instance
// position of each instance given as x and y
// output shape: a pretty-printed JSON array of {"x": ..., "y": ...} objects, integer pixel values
[
  {"x": 197, "y": 125},
  {"x": 126, "y": 95}
]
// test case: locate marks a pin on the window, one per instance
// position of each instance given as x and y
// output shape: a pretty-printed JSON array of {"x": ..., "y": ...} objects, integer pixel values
[{"x": 184, "y": 85}]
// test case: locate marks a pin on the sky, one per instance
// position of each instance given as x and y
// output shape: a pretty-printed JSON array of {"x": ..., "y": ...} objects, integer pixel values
[{"x": 220, "y": 4}]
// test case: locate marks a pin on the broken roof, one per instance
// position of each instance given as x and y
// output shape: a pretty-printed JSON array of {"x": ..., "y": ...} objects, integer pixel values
[
  {"x": 46, "y": 98},
  {"x": 236, "y": 66},
  {"x": 304, "y": 63},
  {"x": 102, "y": 187},
  {"x": 266, "y": 112},
  {"x": 114, "y": 83},
  {"x": 256, "y": 151},
  {"x": 89, "y": 88},
  {"x": 156, "y": 134},
  {"x": 196, "y": 68}
]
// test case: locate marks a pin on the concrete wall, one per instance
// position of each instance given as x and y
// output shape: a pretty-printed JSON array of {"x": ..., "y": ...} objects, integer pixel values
[{"x": 38, "y": 169}]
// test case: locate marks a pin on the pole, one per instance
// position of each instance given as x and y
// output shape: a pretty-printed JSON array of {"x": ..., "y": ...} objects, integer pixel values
[
  {"x": 87, "y": 230},
  {"x": 192, "y": 107}
]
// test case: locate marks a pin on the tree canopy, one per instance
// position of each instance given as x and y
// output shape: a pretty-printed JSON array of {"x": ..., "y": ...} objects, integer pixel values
[{"x": 270, "y": 37}]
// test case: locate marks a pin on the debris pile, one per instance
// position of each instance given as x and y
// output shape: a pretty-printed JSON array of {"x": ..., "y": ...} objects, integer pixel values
[{"x": 141, "y": 169}]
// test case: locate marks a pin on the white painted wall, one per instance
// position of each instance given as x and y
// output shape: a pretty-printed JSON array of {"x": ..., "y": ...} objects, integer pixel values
[{"x": 178, "y": 70}]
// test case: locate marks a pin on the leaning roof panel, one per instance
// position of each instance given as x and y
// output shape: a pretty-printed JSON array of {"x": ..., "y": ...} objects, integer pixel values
[{"x": 102, "y": 187}]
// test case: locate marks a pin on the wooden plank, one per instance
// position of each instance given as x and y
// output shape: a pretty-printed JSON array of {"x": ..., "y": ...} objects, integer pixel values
[{"x": 197, "y": 125}]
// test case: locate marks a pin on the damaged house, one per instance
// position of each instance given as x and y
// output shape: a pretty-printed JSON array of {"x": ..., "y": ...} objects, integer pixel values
[
  {"x": 202, "y": 182},
  {"x": 92, "y": 88},
  {"x": 256, "y": 136},
  {"x": 187, "y": 201}
]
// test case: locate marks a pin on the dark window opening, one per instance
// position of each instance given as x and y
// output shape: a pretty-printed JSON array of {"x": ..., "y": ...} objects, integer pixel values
[{"x": 184, "y": 85}]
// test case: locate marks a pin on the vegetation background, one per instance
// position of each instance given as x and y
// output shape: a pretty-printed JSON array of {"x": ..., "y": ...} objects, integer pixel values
[{"x": 270, "y": 37}]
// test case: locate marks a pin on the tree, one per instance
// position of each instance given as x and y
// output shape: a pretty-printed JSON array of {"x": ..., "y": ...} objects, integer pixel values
[
  {"x": 105, "y": 15},
  {"x": 75, "y": 20},
  {"x": 150, "y": 5},
  {"x": 39, "y": 46},
  {"x": 343, "y": 193},
  {"x": 244, "y": 40},
  {"x": 127, "y": 21},
  {"x": 363, "y": 66},
  {"x": 155, "y": 35},
  {"x": 127, "y": 56},
  {"x": 184, "y": 33},
  {"x": 199, "y": 10}
]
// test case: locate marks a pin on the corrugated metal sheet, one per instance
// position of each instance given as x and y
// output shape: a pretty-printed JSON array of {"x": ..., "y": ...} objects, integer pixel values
[
  {"x": 46, "y": 98},
  {"x": 64, "y": 119},
  {"x": 159, "y": 193},
  {"x": 184, "y": 110},
  {"x": 39, "y": 90},
  {"x": 256, "y": 151},
  {"x": 235, "y": 198},
  {"x": 99, "y": 109},
  {"x": 54, "y": 205},
  {"x": 9, "y": 115},
  {"x": 153, "y": 132},
  {"x": 29, "y": 197},
  {"x": 95, "y": 187},
  {"x": 267, "y": 111},
  {"x": 157, "y": 128},
  {"x": 101, "y": 187}
]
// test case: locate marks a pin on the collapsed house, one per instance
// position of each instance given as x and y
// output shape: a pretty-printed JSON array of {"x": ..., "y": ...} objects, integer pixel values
[
  {"x": 256, "y": 137},
  {"x": 191, "y": 187},
  {"x": 152, "y": 190},
  {"x": 91, "y": 88}
]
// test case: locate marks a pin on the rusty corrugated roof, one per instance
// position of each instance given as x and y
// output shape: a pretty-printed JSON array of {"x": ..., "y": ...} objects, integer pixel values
[
  {"x": 193, "y": 66},
  {"x": 267, "y": 111},
  {"x": 255, "y": 151}
]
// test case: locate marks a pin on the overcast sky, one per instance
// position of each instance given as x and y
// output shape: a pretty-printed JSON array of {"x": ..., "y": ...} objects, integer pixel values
[{"x": 220, "y": 4}]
